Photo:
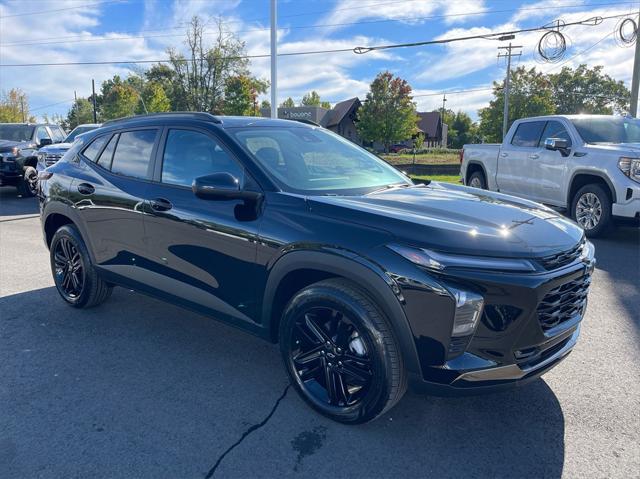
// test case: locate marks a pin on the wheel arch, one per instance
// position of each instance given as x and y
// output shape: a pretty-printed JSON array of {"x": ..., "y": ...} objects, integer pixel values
[
  {"x": 580, "y": 178},
  {"x": 472, "y": 167},
  {"x": 297, "y": 270},
  {"x": 57, "y": 214}
]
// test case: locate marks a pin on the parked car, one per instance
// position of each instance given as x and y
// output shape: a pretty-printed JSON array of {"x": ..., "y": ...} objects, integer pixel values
[
  {"x": 397, "y": 148},
  {"x": 19, "y": 144},
  {"x": 48, "y": 155},
  {"x": 291, "y": 232},
  {"x": 586, "y": 164}
]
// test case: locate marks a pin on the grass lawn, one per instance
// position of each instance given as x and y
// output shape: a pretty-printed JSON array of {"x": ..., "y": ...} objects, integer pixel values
[
  {"x": 442, "y": 178},
  {"x": 424, "y": 159}
]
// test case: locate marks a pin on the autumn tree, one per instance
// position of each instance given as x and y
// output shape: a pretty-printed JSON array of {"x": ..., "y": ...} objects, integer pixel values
[
  {"x": 14, "y": 107},
  {"x": 241, "y": 95},
  {"x": 119, "y": 98},
  {"x": 388, "y": 114},
  {"x": 201, "y": 75},
  {"x": 155, "y": 98}
]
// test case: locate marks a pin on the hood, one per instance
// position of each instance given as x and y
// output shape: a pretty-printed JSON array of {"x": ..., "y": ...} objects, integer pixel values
[
  {"x": 621, "y": 148},
  {"x": 56, "y": 148},
  {"x": 6, "y": 145},
  {"x": 457, "y": 219}
]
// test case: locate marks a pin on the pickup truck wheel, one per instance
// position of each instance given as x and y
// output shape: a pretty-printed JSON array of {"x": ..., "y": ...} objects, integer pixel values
[
  {"x": 73, "y": 273},
  {"x": 28, "y": 185},
  {"x": 591, "y": 209},
  {"x": 340, "y": 352},
  {"x": 477, "y": 180}
]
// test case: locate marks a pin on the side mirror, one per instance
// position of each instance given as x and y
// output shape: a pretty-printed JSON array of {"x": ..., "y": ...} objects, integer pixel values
[
  {"x": 557, "y": 144},
  {"x": 45, "y": 142},
  {"x": 221, "y": 186}
]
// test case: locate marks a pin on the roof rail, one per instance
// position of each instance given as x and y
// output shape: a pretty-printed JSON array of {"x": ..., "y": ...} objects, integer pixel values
[{"x": 196, "y": 115}]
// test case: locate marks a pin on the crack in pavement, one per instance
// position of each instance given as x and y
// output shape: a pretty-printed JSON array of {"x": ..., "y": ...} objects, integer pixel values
[{"x": 254, "y": 427}]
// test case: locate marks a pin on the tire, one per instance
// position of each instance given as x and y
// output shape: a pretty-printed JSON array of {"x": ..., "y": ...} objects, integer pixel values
[
  {"x": 28, "y": 184},
  {"x": 68, "y": 252},
  {"x": 591, "y": 209},
  {"x": 362, "y": 358},
  {"x": 477, "y": 180}
]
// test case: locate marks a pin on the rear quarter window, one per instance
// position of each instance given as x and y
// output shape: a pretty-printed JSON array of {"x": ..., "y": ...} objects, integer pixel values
[
  {"x": 93, "y": 149},
  {"x": 133, "y": 153}
]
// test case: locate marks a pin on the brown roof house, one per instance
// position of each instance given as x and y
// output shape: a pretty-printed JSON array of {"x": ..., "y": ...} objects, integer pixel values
[
  {"x": 433, "y": 129},
  {"x": 342, "y": 119}
]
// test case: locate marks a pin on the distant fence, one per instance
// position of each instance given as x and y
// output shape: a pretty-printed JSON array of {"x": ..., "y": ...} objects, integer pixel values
[{"x": 427, "y": 170}]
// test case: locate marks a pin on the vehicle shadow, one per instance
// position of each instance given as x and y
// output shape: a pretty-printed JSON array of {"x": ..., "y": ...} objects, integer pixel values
[
  {"x": 167, "y": 392},
  {"x": 12, "y": 205}
]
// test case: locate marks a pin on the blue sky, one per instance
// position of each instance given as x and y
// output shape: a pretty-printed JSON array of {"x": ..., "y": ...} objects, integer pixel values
[{"x": 115, "y": 30}]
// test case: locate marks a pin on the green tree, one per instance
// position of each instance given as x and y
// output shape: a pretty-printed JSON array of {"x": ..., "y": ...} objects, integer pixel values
[
  {"x": 265, "y": 104},
  {"x": 119, "y": 99},
  {"x": 311, "y": 99},
  {"x": 288, "y": 103},
  {"x": 588, "y": 90},
  {"x": 201, "y": 76},
  {"x": 155, "y": 98},
  {"x": 530, "y": 95},
  {"x": 241, "y": 95},
  {"x": 326, "y": 105},
  {"x": 461, "y": 130},
  {"x": 14, "y": 107},
  {"x": 388, "y": 115},
  {"x": 80, "y": 112},
  {"x": 166, "y": 77}
]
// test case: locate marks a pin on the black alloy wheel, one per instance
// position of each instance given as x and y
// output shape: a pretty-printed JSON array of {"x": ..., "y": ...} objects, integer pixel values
[
  {"x": 69, "y": 273},
  {"x": 28, "y": 185},
  {"x": 340, "y": 352},
  {"x": 330, "y": 358}
]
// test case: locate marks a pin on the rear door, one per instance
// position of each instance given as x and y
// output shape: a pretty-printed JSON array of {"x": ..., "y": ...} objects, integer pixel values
[
  {"x": 201, "y": 251},
  {"x": 514, "y": 176},
  {"x": 109, "y": 195},
  {"x": 549, "y": 170}
]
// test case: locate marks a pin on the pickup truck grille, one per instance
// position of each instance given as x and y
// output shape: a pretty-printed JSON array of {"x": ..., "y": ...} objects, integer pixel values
[
  {"x": 52, "y": 158},
  {"x": 559, "y": 260},
  {"x": 564, "y": 302}
]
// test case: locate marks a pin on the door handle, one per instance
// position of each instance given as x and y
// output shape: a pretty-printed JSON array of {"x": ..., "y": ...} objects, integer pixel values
[
  {"x": 161, "y": 204},
  {"x": 534, "y": 156},
  {"x": 504, "y": 155},
  {"x": 86, "y": 188}
]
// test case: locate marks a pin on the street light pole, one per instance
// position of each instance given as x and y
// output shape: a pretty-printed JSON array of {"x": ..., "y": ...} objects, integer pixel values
[
  {"x": 635, "y": 82},
  {"x": 274, "y": 60}
]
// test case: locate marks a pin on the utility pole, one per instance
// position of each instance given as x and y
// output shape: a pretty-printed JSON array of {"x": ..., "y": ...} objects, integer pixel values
[
  {"x": 508, "y": 55},
  {"x": 93, "y": 91},
  {"x": 274, "y": 60},
  {"x": 444, "y": 100},
  {"x": 635, "y": 82},
  {"x": 75, "y": 96}
]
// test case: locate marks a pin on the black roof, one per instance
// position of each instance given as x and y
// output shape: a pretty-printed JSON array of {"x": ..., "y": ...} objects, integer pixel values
[
  {"x": 223, "y": 121},
  {"x": 340, "y": 110}
]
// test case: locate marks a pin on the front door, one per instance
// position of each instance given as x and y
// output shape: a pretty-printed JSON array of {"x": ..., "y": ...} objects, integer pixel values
[{"x": 200, "y": 251}]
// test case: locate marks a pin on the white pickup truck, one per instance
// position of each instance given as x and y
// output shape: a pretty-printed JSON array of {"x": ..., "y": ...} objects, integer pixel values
[{"x": 586, "y": 164}]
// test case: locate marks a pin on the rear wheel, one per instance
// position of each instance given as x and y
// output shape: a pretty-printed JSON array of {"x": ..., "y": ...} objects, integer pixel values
[
  {"x": 28, "y": 184},
  {"x": 340, "y": 352},
  {"x": 73, "y": 273},
  {"x": 477, "y": 180},
  {"x": 591, "y": 209}
]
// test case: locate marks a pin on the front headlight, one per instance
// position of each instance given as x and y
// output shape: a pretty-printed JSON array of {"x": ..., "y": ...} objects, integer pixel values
[
  {"x": 588, "y": 251},
  {"x": 11, "y": 155},
  {"x": 630, "y": 167},
  {"x": 438, "y": 261}
]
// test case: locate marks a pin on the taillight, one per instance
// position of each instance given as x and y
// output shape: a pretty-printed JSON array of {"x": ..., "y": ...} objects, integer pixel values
[{"x": 461, "y": 155}]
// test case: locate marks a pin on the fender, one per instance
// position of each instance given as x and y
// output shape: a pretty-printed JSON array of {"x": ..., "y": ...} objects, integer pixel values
[
  {"x": 484, "y": 171},
  {"x": 347, "y": 265},
  {"x": 599, "y": 174},
  {"x": 65, "y": 209}
]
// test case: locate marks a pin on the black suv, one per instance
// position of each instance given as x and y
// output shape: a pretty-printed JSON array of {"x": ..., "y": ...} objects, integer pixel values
[
  {"x": 288, "y": 231},
  {"x": 19, "y": 144}
]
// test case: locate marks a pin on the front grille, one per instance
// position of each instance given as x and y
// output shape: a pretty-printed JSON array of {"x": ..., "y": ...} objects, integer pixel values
[
  {"x": 51, "y": 158},
  {"x": 564, "y": 258},
  {"x": 564, "y": 302}
]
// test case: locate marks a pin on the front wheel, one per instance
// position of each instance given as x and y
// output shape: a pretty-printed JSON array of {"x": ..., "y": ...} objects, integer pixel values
[
  {"x": 28, "y": 184},
  {"x": 340, "y": 352},
  {"x": 73, "y": 273},
  {"x": 591, "y": 209}
]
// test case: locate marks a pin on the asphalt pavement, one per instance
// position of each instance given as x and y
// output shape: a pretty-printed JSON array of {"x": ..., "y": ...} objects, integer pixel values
[{"x": 140, "y": 388}]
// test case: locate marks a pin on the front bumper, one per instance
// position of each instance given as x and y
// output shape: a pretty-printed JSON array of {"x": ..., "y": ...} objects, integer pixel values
[{"x": 628, "y": 201}]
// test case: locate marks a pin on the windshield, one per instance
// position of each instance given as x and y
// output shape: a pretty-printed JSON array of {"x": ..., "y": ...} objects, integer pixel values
[
  {"x": 16, "y": 132},
  {"x": 316, "y": 161},
  {"x": 608, "y": 129},
  {"x": 78, "y": 130}
]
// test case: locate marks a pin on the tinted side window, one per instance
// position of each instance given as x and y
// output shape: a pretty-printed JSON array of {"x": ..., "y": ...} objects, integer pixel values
[
  {"x": 91, "y": 151},
  {"x": 107, "y": 154},
  {"x": 554, "y": 129},
  {"x": 42, "y": 133},
  {"x": 133, "y": 153},
  {"x": 190, "y": 154},
  {"x": 56, "y": 133},
  {"x": 528, "y": 134}
]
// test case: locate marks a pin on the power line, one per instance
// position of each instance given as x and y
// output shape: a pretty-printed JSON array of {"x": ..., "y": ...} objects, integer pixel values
[
  {"x": 81, "y": 39},
  {"x": 358, "y": 50},
  {"x": 50, "y": 105},
  {"x": 60, "y": 9}
]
